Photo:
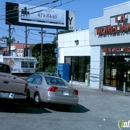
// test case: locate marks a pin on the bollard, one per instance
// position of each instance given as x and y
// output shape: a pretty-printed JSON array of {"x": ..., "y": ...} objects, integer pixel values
[
  {"x": 124, "y": 88},
  {"x": 71, "y": 79},
  {"x": 102, "y": 86}
]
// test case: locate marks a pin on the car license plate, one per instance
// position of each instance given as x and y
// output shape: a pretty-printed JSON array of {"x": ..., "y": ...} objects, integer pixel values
[
  {"x": 66, "y": 93},
  {"x": 4, "y": 95}
]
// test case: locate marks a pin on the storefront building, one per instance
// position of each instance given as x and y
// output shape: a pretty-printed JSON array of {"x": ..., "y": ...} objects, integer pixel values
[
  {"x": 110, "y": 48},
  {"x": 103, "y": 50},
  {"x": 74, "y": 49}
]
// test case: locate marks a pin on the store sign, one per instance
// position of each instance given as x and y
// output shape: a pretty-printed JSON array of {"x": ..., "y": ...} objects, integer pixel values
[
  {"x": 121, "y": 26},
  {"x": 71, "y": 20},
  {"x": 118, "y": 49}
]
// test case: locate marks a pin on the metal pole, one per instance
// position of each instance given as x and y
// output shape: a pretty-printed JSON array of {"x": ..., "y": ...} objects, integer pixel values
[
  {"x": 57, "y": 47},
  {"x": 124, "y": 88},
  {"x": 41, "y": 49},
  {"x": 9, "y": 39},
  {"x": 71, "y": 79},
  {"x": 26, "y": 37},
  {"x": 102, "y": 86}
]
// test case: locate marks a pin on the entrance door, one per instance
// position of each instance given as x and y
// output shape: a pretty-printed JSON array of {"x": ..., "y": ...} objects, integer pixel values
[{"x": 123, "y": 75}]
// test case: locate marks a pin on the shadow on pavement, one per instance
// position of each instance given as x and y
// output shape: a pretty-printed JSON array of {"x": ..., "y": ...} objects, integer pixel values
[
  {"x": 20, "y": 106},
  {"x": 61, "y": 108}
]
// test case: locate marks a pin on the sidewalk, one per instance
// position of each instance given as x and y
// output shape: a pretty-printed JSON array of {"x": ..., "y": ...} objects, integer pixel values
[{"x": 81, "y": 85}]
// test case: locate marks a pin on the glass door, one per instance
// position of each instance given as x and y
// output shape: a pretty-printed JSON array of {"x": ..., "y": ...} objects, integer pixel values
[{"x": 123, "y": 75}]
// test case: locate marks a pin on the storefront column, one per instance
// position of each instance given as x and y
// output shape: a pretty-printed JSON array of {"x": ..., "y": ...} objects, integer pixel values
[{"x": 97, "y": 65}]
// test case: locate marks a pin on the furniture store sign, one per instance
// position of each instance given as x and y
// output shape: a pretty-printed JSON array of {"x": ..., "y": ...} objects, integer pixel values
[{"x": 120, "y": 25}]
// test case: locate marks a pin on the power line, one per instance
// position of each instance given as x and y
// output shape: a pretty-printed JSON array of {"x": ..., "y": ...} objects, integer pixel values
[
  {"x": 53, "y": 7},
  {"x": 40, "y": 10},
  {"x": 29, "y": 32},
  {"x": 3, "y": 29},
  {"x": 4, "y": 4},
  {"x": 28, "y": 9},
  {"x": 31, "y": 7},
  {"x": 15, "y": 0},
  {"x": 20, "y": 35}
]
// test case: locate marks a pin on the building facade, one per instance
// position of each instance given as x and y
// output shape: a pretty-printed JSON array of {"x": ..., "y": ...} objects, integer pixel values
[
  {"x": 74, "y": 49},
  {"x": 110, "y": 47},
  {"x": 16, "y": 49},
  {"x": 106, "y": 43}
]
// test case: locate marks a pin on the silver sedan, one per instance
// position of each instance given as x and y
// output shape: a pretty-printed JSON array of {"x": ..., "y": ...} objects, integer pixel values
[{"x": 51, "y": 89}]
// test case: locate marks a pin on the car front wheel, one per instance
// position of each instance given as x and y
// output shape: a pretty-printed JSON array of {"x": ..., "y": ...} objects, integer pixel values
[{"x": 37, "y": 100}]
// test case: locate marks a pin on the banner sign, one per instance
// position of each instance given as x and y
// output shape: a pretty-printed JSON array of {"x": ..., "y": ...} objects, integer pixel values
[
  {"x": 35, "y": 16},
  {"x": 42, "y": 15},
  {"x": 118, "y": 49}
]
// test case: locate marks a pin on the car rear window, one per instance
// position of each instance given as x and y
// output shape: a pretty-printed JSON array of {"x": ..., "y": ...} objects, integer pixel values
[{"x": 55, "y": 81}]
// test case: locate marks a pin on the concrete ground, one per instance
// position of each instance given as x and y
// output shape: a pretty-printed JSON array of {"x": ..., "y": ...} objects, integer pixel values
[{"x": 107, "y": 107}]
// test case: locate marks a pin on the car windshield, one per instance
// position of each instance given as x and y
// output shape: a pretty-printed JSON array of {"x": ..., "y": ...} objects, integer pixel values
[
  {"x": 55, "y": 81},
  {"x": 4, "y": 68}
]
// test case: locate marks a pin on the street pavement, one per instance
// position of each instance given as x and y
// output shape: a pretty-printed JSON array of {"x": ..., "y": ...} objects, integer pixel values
[
  {"x": 106, "y": 108},
  {"x": 96, "y": 110}
]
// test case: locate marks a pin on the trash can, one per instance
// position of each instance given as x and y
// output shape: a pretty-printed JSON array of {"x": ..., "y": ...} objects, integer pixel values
[{"x": 87, "y": 79}]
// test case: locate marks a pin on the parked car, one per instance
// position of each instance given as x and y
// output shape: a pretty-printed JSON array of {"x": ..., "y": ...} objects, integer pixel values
[
  {"x": 51, "y": 89},
  {"x": 11, "y": 87},
  {"x": 48, "y": 73}
]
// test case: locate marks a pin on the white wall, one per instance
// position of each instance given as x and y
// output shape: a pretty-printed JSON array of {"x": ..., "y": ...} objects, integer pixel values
[
  {"x": 96, "y": 68},
  {"x": 67, "y": 46}
]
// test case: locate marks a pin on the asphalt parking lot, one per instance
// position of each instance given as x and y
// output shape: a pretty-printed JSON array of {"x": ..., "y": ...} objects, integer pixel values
[
  {"x": 107, "y": 108},
  {"x": 96, "y": 110}
]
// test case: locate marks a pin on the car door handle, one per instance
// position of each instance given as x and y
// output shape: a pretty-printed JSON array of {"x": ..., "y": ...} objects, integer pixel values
[{"x": 6, "y": 82}]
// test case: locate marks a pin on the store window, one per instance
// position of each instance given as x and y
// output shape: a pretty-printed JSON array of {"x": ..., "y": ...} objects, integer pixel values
[{"x": 79, "y": 65}]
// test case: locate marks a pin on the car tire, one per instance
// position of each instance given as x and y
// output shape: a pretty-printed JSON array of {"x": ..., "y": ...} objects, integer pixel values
[
  {"x": 28, "y": 96},
  {"x": 37, "y": 99}
]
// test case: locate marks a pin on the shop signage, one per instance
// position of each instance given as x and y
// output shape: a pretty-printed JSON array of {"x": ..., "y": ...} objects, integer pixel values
[
  {"x": 121, "y": 26},
  {"x": 118, "y": 49}
]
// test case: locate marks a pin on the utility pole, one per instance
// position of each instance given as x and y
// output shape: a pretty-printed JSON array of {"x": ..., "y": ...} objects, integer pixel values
[
  {"x": 9, "y": 39},
  {"x": 10, "y": 35},
  {"x": 26, "y": 42},
  {"x": 57, "y": 47},
  {"x": 42, "y": 33}
]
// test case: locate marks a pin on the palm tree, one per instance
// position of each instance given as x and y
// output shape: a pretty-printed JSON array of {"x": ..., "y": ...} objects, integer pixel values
[{"x": 7, "y": 38}]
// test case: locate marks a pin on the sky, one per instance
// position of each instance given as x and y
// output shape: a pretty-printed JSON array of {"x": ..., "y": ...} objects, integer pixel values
[{"x": 85, "y": 10}]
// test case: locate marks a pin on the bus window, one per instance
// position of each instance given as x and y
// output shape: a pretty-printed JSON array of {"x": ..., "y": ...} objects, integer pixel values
[
  {"x": 24, "y": 64},
  {"x": 31, "y": 65}
]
